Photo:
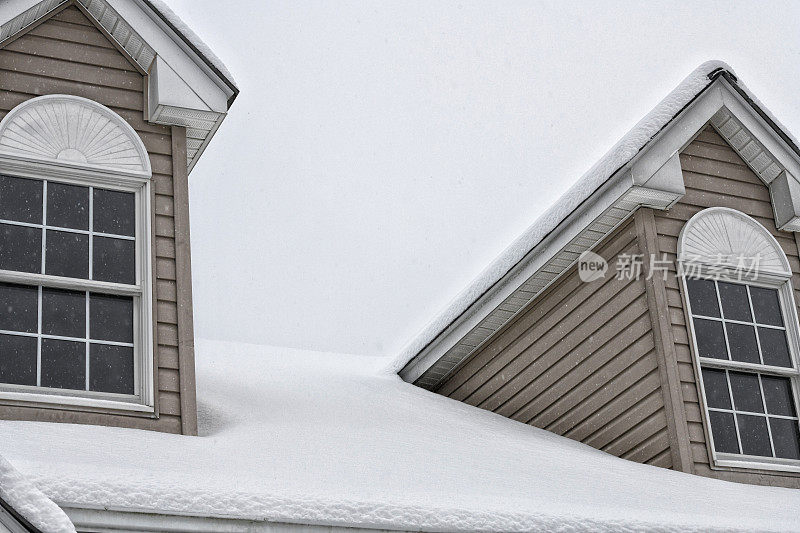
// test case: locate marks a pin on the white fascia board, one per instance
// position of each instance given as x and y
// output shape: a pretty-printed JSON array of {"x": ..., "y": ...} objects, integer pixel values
[
  {"x": 575, "y": 223},
  {"x": 191, "y": 69},
  {"x": 165, "y": 87},
  {"x": 124, "y": 521},
  {"x": 655, "y": 168},
  {"x": 756, "y": 125}
]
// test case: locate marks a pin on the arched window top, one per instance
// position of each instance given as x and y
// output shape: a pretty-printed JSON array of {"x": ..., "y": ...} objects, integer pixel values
[
  {"x": 724, "y": 237},
  {"x": 71, "y": 131}
]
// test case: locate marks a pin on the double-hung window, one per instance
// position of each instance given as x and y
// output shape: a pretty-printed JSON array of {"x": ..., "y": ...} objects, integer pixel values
[
  {"x": 75, "y": 323},
  {"x": 745, "y": 336}
]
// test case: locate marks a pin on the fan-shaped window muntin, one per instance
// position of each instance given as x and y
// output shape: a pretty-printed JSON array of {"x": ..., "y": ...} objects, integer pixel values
[
  {"x": 745, "y": 335},
  {"x": 75, "y": 319}
]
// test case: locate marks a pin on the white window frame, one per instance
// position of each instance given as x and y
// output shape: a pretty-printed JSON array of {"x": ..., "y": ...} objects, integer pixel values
[
  {"x": 782, "y": 282},
  {"x": 111, "y": 177}
]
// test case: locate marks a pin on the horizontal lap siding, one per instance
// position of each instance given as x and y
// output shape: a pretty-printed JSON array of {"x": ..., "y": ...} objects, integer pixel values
[
  {"x": 67, "y": 54},
  {"x": 714, "y": 175},
  {"x": 579, "y": 362}
]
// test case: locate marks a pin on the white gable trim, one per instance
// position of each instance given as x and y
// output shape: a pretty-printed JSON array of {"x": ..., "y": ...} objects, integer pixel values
[
  {"x": 652, "y": 178},
  {"x": 182, "y": 89}
]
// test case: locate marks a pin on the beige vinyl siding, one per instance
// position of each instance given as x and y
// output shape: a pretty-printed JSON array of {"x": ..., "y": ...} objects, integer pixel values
[
  {"x": 579, "y": 361},
  {"x": 714, "y": 175},
  {"x": 68, "y": 54}
]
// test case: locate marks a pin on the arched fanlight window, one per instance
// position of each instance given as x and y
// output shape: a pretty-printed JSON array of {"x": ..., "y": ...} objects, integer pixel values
[
  {"x": 743, "y": 322},
  {"x": 75, "y": 276}
]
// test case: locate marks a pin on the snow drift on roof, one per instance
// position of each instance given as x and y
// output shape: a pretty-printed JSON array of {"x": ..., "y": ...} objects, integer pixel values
[
  {"x": 319, "y": 438},
  {"x": 29, "y": 501},
  {"x": 620, "y": 154}
]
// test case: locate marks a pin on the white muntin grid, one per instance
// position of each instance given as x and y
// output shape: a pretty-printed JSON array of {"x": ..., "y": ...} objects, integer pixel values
[
  {"x": 788, "y": 316},
  {"x": 88, "y": 287}
]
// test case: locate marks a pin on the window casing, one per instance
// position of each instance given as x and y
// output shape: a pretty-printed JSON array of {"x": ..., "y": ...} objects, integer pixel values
[
  {"x": 745, "y": 341},
  {"x": 76, "y": 325}
]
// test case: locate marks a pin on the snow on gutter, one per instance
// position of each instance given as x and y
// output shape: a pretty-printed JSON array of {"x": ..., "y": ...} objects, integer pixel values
[
  {"x": 626, "y": 149},
  {"x": 28, "y": 506}
]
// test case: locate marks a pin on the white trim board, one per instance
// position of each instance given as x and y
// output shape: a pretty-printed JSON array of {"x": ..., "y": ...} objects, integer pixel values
[
  {"x": 182, "y": 86},
  {"x": 111, "y": 521},
  {"x": 651, "y": 178}
]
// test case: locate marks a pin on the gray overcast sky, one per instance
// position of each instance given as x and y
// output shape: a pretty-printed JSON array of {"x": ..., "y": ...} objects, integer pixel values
[{"x": 381, "y": 154}]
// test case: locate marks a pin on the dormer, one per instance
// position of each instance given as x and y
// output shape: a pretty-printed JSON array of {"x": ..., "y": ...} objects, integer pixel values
[{"x": 106, "y": 107}]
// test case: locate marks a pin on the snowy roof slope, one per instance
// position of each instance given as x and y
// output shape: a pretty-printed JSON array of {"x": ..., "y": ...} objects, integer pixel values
[
  {"x": 619, "y": 155},
  {"x": 30, "y": 503},
  {"x": 306, "y": 437}
]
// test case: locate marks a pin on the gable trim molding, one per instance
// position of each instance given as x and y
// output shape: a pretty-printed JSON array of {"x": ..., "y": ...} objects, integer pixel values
[
  {"x": 652, "y": 178},
  {"x": 171, "y": 99}
]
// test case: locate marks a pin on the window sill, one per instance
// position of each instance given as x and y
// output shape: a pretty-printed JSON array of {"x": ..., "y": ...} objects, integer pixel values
[
  {"x": 757, "y": 463},
  {"x": 56, "y": 401}
]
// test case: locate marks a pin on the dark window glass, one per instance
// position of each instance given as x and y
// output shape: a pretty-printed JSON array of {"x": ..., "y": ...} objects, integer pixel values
[
  {"x": 742, "y": 343},
  {"x": 111, "y": 368},
  {"x": 785, "y": 438},
  {"x": 735, "y": 305},
  {"x": 67, "y": 254},
  {"x": 723, "y": 431},
  {"x": 18, "y": 360},
  {"x": 20, "y": 248},
  {"x": 114, "y": 260},
  {"x": 114, "y": 212},
  {"x": 754, "y": 435},
  {"x": 703, "y": 297},
  {"x": 746, "y": 392},
  {"x": 67, "y": 206},
  {"x": 19, "y": 308},
  {"x": 111, "y": 318},
  {"x": 716, "y": 386},
  {"x": 774, "y": 347},
  {"x": 63, "y": 364},
  {"x": 766, "y": 306},
  {"x": 778, "y": 395},
  {"x": 710, "y": 338},
  {"x": 63, "y": 313},
  {"x": 21, "y": 199}
]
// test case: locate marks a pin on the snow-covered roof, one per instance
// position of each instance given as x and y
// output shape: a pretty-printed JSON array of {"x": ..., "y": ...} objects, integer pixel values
[
  {"x": 28, "y": 502},
  {"x": 318, "y": 438},
  {"x": 631, "y": 144}
]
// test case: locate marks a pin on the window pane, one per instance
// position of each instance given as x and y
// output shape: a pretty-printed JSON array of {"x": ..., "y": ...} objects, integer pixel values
[
  {"x": 778, "y": 395},
  {"x": 774, "y": 347},
  {"x": 754, "y": 435},
  {"x": 63, "y": 313},
  {"x": 746, "y": 392},
  {"x": 723, "y": 432},
  {"x": 742, "y": 343},
  {"x": 716, "y": 387},
  {"x": 734, "y": 302},
  {"x": 19, "y": 308},
  {"x": 785, "y": 437},
  {"x": 111, "y": 317},
  {"x": 67, "y": 254},
  {"x": 114, "y": 260},
  {"x": 766, "y": 306},
  {"x": 21, "y": 200},
  {"x": 111, "y": 368},
  {"x": 710, "y": 338},
  {"x": 63, "y": 364},
  {"x": 67, "y": 206},
  {"x": 703, "y": 297},
  {"x": 20, "y": 248},
  {"x": 114, "y": 212},
  {"x": 18, "y": 360}
]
